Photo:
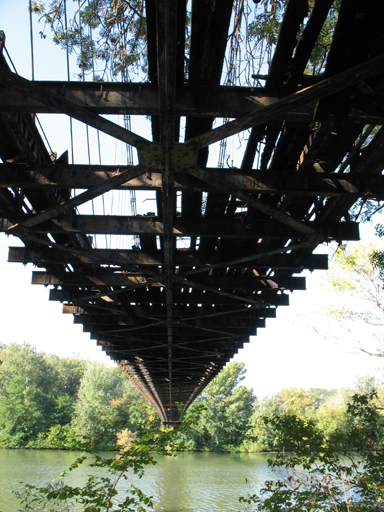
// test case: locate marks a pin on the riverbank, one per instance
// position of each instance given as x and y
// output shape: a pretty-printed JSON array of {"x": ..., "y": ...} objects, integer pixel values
[{"x": 76, "y": 450}]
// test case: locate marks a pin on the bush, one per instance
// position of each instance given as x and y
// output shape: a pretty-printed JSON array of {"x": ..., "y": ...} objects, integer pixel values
[{"x": 338, "y": 471}]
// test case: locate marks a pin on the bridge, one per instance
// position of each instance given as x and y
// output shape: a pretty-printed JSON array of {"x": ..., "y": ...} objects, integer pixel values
[{"x": 221, "y": 249}]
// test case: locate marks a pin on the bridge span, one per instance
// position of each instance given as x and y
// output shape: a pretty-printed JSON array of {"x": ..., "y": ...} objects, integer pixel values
[{"x": 223, "y": 246}]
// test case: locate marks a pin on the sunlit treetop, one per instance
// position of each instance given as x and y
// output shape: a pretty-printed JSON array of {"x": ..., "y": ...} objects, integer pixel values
[
  {"x": 109, "y": 37},
  {"x": 107, "y": 32}
]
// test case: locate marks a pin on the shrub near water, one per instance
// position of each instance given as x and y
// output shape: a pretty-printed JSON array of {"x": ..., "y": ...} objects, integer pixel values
[{"x": 340, "y": 472}]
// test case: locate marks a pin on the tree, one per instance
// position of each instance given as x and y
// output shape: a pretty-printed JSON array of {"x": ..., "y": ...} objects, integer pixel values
[
  {"x": 47, "y": 401},
  {"x": 305, "y": 404},
  {"x": 340, "y": 472},
  {"x": 355, "y": 275},
  {"x": 302, "y": 402},
  {"x": 108, "y": 403},
  {"x": 111, "y": 35},
  {"x": 29, "y": 402},
  {"x": 265, "y": 27},
  {"x": 227, "y": 407},
  {"x": 70, "y": 371},
  {"x": 108, "y": 34},
  {"x": 332, "y": 414},
  {"x": 261, "y": 437}
]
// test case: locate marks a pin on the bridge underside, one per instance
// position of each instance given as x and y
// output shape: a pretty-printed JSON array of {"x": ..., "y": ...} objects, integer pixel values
[{"x": 170, "y": 314}]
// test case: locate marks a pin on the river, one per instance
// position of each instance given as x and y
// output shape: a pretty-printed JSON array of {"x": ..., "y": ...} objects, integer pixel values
[{"x": 189, "y": 482}]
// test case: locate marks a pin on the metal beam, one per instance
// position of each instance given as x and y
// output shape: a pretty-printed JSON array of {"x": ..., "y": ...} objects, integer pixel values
[
  {"x": 301, "y": 183},
  {"x": 233, "y": 229},
  {"x": 92, "y": 193},
  {"x": 254, "y": 202},
  {"x": 105, "y": 279},
  {"x": 142, "y": 99},
  {"x": 327, "y": 87},
  {"x": 200, "y": 295},
  {"x": 43, "y": 258},
  {"x": 119, "y": 324},
  {"x": 62, "y": 106},
  {"x": 166, "y": 28},
  {"x": 233, "y": 282},
  {"x": 244, "y": 260}
]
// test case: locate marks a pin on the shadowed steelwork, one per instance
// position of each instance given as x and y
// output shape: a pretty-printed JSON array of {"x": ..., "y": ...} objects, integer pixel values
[{"x": 218, "y": 256}]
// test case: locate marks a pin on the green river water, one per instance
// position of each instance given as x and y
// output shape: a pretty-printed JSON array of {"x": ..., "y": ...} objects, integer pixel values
[{"x": 189, "y": 482}]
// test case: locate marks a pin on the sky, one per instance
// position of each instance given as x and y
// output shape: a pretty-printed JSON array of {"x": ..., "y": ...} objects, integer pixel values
[{"x": 292, "y": 351}]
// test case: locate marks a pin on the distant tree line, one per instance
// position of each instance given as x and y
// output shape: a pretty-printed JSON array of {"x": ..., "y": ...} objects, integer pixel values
[{"x": 52, "y": 402}]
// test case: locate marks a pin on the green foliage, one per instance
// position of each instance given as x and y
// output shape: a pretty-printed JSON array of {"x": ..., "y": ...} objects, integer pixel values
[
  {"x": 352, "y": 270},
  {"x": 321, "y": 49},
  {"x": 327, "y": 409},
  {"x": 377, "y": 256},
  {"x": 260, "y": 436},
  {"x": 62, "y": 437},
  {"x": 106, "y": 33},
  {"x": 332, "y": 415},
  {"x": 265, "y": 27},
  {"x": 317, "y": 471},
  {"x": 48, "y": 402},
  {"x": 110, "y": 36},
  {"x": 70, "y": 372},
  {"x": 267, "y": 22},
  {"x": 29, "y": 401},
  {"x": 227, "y": 407},
  {"x": 107, "y": 403}
]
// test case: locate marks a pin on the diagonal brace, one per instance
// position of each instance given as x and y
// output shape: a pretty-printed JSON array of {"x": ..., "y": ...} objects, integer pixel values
[
  {"x": 299, "y": 99},
  {"x": 97, "y": 190},
  {"x": 229, "y": 188}
]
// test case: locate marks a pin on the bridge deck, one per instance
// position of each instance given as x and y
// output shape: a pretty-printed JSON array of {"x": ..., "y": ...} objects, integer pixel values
[{"x": 172, "y": 315}]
